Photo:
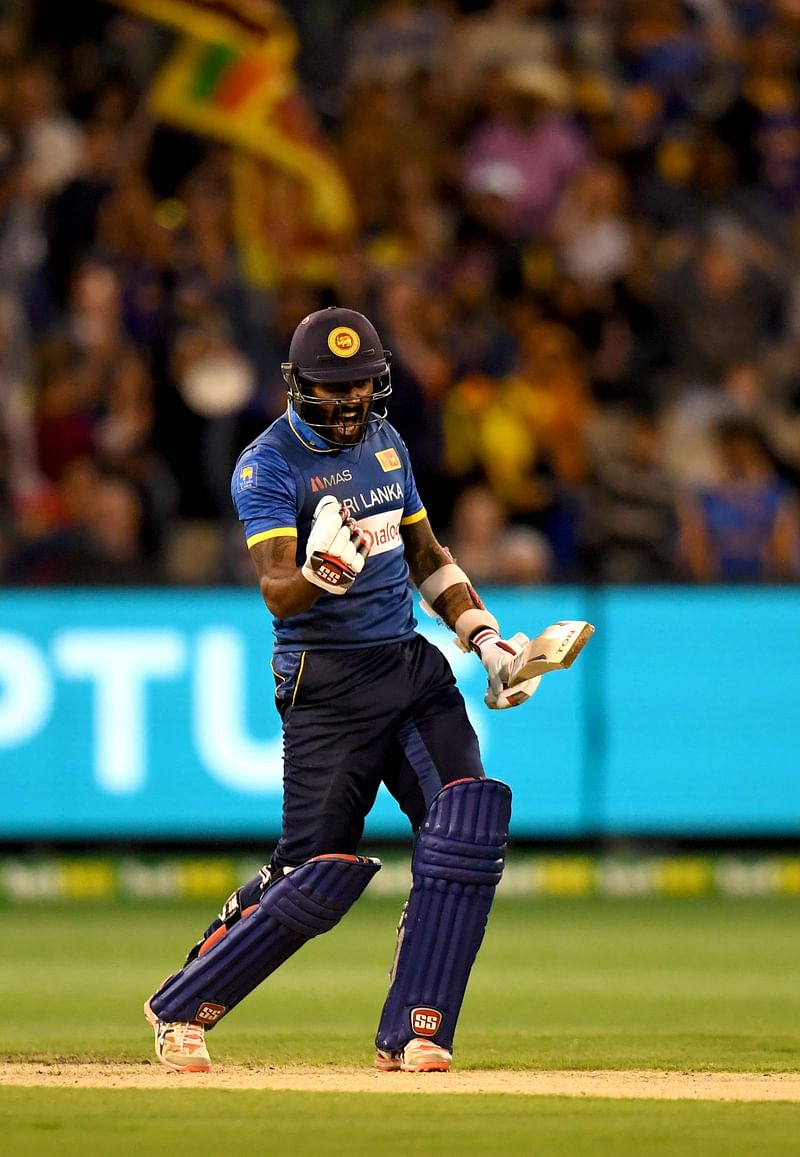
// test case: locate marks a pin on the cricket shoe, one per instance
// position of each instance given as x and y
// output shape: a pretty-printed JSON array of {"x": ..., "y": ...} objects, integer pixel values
[
  {"x": 419, "y": 1056},
  {"x": 180, "y": 1045}
]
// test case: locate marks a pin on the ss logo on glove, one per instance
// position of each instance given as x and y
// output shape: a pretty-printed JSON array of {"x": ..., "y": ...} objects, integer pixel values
[{"x": 337, "y": 548}]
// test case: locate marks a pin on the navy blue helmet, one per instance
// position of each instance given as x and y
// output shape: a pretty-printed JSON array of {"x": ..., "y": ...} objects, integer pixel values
[{"x": 331, "y": 346}]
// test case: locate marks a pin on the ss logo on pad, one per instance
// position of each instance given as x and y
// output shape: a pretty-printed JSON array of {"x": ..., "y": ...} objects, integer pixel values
[{"x": 425, "y": 1021}]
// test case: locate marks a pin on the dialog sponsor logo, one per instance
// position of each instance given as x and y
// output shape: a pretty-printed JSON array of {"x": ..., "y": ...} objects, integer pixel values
[{"x": 384, "y": 529}]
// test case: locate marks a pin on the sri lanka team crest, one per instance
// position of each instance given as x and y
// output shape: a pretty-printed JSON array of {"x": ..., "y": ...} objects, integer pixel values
[
  {"x": 343, "y": 341},
  {"x": 248, "y": 476},
  {"x": 389, "y": 459}
]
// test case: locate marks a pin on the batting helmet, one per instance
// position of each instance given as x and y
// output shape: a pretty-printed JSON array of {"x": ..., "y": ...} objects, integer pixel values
[{"x": 336, "y": 345}]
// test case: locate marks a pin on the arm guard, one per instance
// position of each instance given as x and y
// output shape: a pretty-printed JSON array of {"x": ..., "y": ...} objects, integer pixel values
[{"x": 468, "y": 622}]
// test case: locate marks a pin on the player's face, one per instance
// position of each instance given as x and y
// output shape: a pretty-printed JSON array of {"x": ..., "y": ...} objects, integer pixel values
[{"x": 344, "y": 416}]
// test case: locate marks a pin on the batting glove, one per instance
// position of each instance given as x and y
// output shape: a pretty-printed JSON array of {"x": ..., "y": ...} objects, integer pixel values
[
  {"x": 336, "y": 549},
  {"x": 497, "y": 656}
]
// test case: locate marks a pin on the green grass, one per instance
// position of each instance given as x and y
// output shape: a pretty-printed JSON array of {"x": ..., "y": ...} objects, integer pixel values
[
  {"x": 90, "y": 1123},
  {"x": 707, "y": 984},
  {"x": 704, "y": 984}
]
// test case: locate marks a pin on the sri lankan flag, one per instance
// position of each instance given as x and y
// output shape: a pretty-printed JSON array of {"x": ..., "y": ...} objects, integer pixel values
[
  {"x": 231, "y": 77},
  {"x": 220, "y": 91},
  {"x": 229, "y": 70}
]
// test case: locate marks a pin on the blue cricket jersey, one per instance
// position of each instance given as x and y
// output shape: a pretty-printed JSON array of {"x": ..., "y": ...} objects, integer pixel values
[
  {"x": 739, "y": 523},
  {"x": 277, "y": 483}
]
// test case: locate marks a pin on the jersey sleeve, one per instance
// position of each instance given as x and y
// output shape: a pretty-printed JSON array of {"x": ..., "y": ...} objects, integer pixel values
[
  {"x": 264, "y": 493},
  {"x": 413, "y": 510}
]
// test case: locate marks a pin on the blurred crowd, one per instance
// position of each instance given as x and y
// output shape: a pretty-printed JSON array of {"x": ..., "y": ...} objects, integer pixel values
[{"x": 577, "y": 230}]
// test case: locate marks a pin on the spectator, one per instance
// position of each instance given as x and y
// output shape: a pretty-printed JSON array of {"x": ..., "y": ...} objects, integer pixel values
[
  {"x": 689, "y": 426},
  {"x": 718, "y": 306},
  {"x": 629, "y": 527},
  {"x": 96, "y": 394},
  {"x": 592, "y": 227},
  {"x": 761, "y": 122},
  {"x": 526, "y": 434},
  {"x": 72, "y": 214},
  {"x": 415, "y": 330},
  {"x": 490, "y": 547},
  {"x": 107, "y": 546},
  {"x": 745, "y": 527},
  {"x": 527, "y": 153},
  {"x": 501, "y": 35},
  {"x": 50, "y": 143}
]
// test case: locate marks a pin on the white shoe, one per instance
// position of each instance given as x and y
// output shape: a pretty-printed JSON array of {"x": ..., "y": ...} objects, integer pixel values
[
  {"x": 388, "y": 1062},
  {"x": 419, "y": 1056},
  {"x": 423, "y": 1056},
  {"x": 180, "y": 1046}
]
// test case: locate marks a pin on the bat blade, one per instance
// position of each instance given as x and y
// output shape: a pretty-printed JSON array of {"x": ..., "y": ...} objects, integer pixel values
[{"x": 555, "y": 649}]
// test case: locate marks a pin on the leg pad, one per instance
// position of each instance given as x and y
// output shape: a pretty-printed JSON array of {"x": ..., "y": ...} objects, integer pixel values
[
  {"x": 457, "y": 864},
  {"x": 309, "y": 900}
]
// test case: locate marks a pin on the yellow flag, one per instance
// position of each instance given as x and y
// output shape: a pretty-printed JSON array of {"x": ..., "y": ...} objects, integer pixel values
[{"x": 230, "y": 77}]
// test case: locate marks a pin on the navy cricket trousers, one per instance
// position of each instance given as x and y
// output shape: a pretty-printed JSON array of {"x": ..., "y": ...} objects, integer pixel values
[{"x": 355, "y": 719}]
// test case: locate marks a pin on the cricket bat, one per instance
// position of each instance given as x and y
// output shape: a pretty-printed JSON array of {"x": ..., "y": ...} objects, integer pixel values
[{"x": 555, "y": 649}]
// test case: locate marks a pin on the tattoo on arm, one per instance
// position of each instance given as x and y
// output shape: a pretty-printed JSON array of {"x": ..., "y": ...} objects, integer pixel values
[
  {"x": 283, "y": 552},
  {"x": 452, "y": 602}
]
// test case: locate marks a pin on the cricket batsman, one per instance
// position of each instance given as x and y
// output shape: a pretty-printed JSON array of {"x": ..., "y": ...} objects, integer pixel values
[{"x": 336, "y": 528}]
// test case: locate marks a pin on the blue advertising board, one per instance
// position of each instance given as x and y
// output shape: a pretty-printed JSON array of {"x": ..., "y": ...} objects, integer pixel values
[
  {"x": 701, "y": 712},
  {"x": 148, "y": 714}
]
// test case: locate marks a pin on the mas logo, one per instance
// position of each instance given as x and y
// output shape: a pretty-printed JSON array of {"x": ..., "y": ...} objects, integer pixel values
[
  {"x": 389, "y": 460},
  {"x": 318, "y": 482},
  {"x": 343, "y": 341},
  {"x": 248, "y": 476}
]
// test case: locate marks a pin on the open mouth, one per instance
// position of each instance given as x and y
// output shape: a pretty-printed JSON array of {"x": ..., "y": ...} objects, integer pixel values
[{"x": 350, "y": 420}]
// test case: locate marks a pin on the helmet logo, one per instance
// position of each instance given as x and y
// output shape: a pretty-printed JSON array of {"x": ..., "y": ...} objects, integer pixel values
[{"x": 343, "y": 341}]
